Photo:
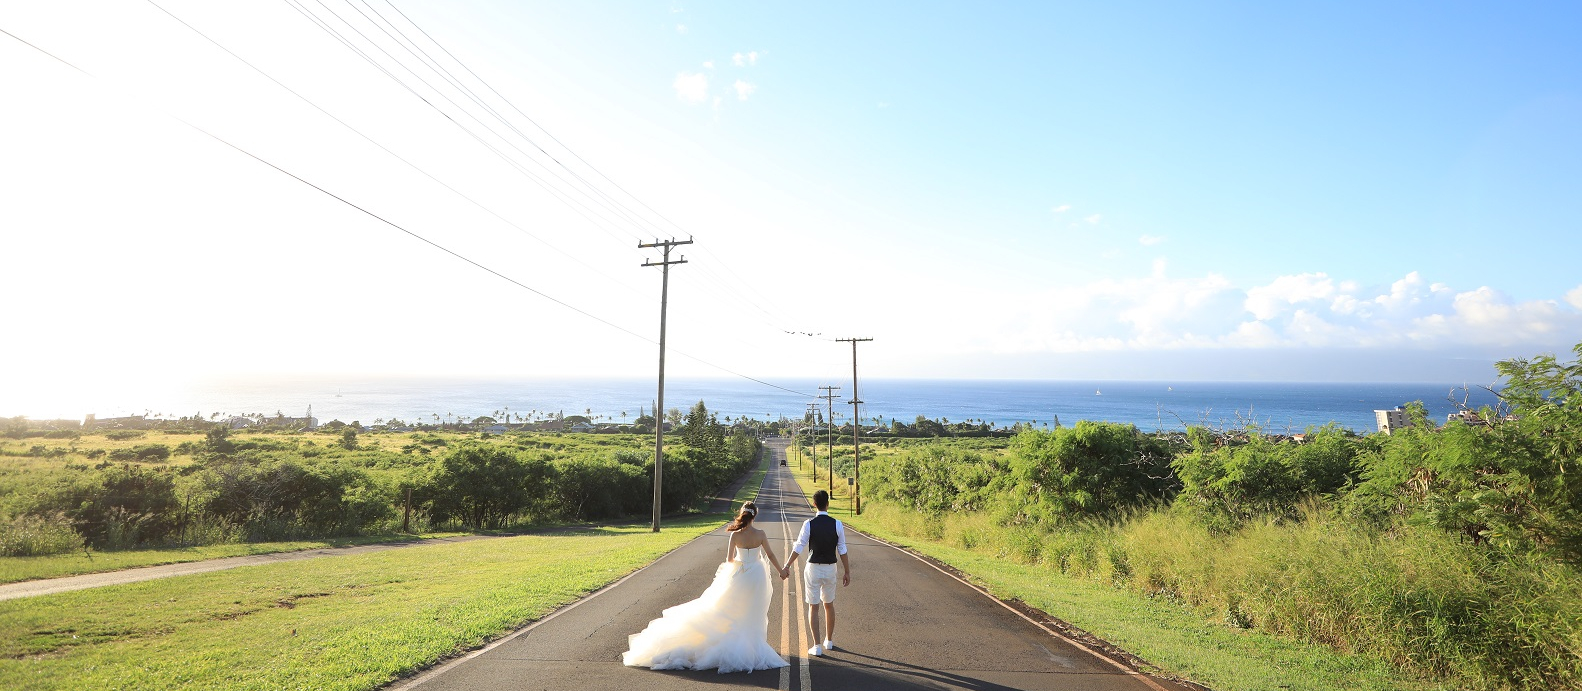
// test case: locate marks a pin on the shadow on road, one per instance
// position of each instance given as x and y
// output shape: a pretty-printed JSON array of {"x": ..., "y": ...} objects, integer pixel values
[{"x": 889, "y": 674}]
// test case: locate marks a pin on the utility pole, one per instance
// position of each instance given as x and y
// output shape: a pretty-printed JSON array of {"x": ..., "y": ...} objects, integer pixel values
[
  {"x": 856, "y": 428},
  {"x": 659, "y": 405},
  {"x": 812, "y": 418},
  {"x": 829, "y": 421}
]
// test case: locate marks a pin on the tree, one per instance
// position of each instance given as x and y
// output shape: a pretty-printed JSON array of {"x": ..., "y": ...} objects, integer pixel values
[
  {"x": 483, "y": 485},
  {"x": 701, "y": 430},
  {"x": 1092, "y": 469}
]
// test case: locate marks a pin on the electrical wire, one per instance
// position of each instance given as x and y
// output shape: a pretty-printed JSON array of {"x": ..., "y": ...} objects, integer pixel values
[
  {"x": 387, "y": 150},
  {"x": 418, "y": 236},
  {"x": 565, "y": 198}
]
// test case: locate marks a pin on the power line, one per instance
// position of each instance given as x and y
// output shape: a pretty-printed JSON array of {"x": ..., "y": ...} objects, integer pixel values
[
  {"x": 418, "y": 236},
  {"x": 525, "y": 116},
  {"x": 577, "y": 206},
  {"x": 432, "y": 63},
  {"x": 384, "y": 148}
]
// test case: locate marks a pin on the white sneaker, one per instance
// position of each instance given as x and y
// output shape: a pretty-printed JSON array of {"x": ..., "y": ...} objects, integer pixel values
[
  {"x": 816, "y": 651},
  {"x": 829, "y": 645}
]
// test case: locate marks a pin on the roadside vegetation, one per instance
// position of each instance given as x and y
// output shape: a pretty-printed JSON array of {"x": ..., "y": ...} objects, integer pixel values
[
  {"x": 73, "y": 502},
  {"x": 349, "y": 623},
  {"x": 1447, "y": 554}
]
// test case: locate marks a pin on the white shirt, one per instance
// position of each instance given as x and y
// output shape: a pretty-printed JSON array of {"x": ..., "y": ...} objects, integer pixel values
[{"x": 802, "y": 537}]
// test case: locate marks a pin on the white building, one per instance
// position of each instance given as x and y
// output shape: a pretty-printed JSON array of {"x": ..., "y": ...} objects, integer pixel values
[{"x": 1391, "y": 420}]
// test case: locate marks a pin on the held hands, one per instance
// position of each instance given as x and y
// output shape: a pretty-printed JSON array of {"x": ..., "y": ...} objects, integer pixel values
[{"x": 785, "y": 572}]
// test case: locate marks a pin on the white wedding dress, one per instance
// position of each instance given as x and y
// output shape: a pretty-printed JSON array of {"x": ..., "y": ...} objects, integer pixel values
[{"x": 726, "y": 628}]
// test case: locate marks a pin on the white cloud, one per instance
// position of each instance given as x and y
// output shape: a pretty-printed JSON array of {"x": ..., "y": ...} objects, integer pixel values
[
  {"x": 743, "y": 89},
  {"x": 681, "y": 28},
  {"x": 1267, "y": 302},
  {"x": 1094, "y": 219},
  {"x": 692, "y": 87},
  {"x": 1061, "y": 209},
  {"x": 1161, "y": 312},
  {"x": 708, "y": 64},
  {"x": 884, "y": 104},
  {"x": 745, "y": 59},
  {"x": 1150, "y": 240}
]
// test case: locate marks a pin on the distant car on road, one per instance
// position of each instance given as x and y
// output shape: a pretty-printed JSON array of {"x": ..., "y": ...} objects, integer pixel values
[{"x": 782, "y": 461}]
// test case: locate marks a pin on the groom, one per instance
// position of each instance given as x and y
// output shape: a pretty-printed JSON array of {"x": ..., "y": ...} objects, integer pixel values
[{"x": 827, "y": 539}]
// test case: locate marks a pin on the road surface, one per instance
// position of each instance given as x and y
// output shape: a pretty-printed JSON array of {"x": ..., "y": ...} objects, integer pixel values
[{"x": 901, "y": 624}]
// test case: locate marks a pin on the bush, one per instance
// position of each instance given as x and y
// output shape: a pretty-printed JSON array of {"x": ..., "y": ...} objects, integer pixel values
[
  {"x": 1233, "y": 483},
  {"x": 483, "y": 486},
  {"x": 1092, "y": 469},
  {"x": 34, "y": 536},
  {"x": 283, "y": 499},
  {"x": 116, "y": 507}
]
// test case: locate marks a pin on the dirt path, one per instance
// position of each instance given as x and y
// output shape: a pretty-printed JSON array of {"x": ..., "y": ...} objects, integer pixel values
[{"x": 47, "y": 586}]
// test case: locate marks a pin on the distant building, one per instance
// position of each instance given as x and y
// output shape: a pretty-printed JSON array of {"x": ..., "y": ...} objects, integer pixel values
[
  {"x": 292, "y": 422},
  {"x": 1391, "y": 420},
  {"x": 130, "y": 422}
]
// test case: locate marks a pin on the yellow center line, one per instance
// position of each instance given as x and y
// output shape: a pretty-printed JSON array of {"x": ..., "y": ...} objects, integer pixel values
[{"x": 785, "y": 593}]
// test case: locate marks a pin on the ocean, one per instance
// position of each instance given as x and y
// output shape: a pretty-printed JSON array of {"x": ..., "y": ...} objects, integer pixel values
[{"x": 1277, "y": 407}]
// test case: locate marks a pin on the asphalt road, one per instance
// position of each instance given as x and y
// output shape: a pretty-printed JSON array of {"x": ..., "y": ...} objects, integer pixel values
[{"x": 901, "y": 624}]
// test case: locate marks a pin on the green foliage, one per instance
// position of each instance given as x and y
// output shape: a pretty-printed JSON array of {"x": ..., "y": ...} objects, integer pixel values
[
  {"x": 1092, "y": 469},
  {"x": 114, "y": 507},
  {"x": 483, "y": 485},
  {"x": 1228, "y": 483},
  {"x": 278, "y": 499},
  {"x": 30, "y": 536},
  {"x": 934, "y": 479}
]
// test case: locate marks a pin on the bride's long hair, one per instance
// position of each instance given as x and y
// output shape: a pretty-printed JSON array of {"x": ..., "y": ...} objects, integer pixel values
[{"x": 743, "y": 519}]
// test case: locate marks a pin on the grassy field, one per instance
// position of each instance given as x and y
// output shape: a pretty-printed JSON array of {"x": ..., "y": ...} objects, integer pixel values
[
  {"x": 353, "y": 622},
  {"x": 1178, "y": 640}
]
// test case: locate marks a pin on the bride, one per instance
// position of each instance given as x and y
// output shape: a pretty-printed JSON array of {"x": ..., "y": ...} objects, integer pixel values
[{"x": 727, "y": 627}]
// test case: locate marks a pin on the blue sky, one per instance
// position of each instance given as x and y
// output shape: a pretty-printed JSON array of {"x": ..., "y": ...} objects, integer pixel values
[{"x": 1347, "y": 191}]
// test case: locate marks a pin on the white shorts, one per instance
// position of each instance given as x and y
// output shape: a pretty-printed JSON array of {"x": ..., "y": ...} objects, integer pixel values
[{"x": 820, "y": 583}]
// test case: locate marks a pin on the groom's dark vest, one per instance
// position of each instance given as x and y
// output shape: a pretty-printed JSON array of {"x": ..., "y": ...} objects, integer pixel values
[{"x": 822, "y": 540}]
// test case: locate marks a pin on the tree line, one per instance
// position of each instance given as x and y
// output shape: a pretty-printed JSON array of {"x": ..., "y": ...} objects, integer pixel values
[{"x": 251, "y": 487}]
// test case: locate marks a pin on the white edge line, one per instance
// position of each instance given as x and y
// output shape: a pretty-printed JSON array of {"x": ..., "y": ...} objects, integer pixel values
[
  {"x": 433, "y": 672},
  {"x": 1077, "y": 644},
  {"x": 1074, "y": 643}
]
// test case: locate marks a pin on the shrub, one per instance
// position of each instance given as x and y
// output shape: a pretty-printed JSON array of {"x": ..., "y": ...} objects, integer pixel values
[
  {"x": 483, "y": 486},
  {"x": 33, "y": 536},
  {"x": 117, "y": 507},
  {"x": 1092, "y": 469}
]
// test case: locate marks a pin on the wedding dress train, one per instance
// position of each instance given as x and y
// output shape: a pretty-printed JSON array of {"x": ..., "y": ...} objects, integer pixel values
[{"x": 726, "y": 628}]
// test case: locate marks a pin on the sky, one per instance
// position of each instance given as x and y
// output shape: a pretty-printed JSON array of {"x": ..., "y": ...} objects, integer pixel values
[{"x": 1220, "y": 191}]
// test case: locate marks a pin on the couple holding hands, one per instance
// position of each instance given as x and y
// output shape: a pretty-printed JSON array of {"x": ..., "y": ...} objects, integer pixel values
[{"x": 727, "y": 627}]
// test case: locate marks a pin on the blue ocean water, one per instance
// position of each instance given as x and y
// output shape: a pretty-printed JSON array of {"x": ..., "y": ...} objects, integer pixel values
[{"x": 1278, "y": 407}]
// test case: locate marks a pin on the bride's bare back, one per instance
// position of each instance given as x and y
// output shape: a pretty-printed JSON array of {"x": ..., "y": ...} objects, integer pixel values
[{"x": 748, "y": 538}]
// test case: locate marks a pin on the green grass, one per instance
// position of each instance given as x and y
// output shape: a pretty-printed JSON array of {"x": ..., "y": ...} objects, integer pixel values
[
  {"x": 1180, "y": 641},
  {"x": 749, "y": 491},
  {"x": 16, "y": 569},
  {"x": 351, "y": 622}
]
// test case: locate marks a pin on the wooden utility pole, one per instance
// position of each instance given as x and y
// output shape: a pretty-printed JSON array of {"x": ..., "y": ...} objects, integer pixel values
[
  {"x": 856, "y": 428},
  {"x": 829, "y": 421},
  {"x": 659, "y": 404},
  {"x": 812, "y": 418}
]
